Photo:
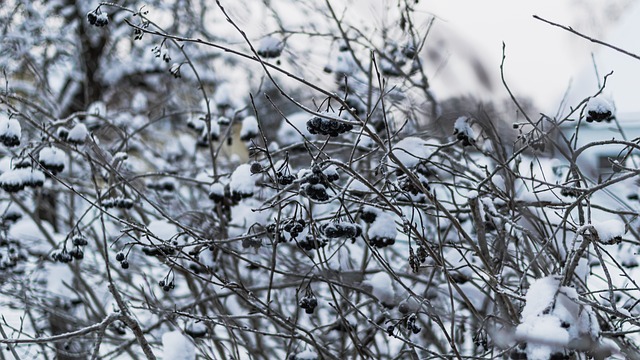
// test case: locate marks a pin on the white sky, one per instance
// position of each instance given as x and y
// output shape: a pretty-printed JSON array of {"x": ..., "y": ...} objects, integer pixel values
[{"x": 541, "y": 59}]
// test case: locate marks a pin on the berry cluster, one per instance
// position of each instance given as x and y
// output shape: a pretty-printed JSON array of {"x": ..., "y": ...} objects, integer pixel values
[
  {"x": 417, "y": 258},
  {"x": 285, "y": 179},
  {"x": 368, "y": 215},
  {"x": 167, "y": 285},
  {"x": 10, "y": 132},
  {"x": 381, "y": 241},
  {"x": 122, "y": 259},
  {"x": 310, "y": 242},
  {"x": 119, "y": 202},
  {"x": 466, "y": 141},
  {"x": 17, "y": 179},
  {"x": 342, "y": 229},
  {"x": 251, "y": 242},
  {"x": 159, "y": 250},
  {"x": 308, "y": 303},
  {"x": 168, "y": 185},
  {"x": 569, "y": 192},
  {"x": 315, "y": 183},
  {"x": 77, "y": 253},
  {"x": 97, "y": 18},
  {"x": 331, "y": 127},
  {"x": 599, "y": 115},
  {"x": 411, "y": 324},
  {"x": 405, "y": 184},
  {"x": 294, "y": 226}
]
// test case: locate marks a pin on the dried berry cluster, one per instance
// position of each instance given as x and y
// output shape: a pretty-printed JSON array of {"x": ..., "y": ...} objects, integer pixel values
[
  {"x": 167, "y": 285},
  {"x": 411, "y": 324},
  {"x": 285, "y": 179},
  {"x": 308, "y": 303},
  {"x": 331, "y": 127}
]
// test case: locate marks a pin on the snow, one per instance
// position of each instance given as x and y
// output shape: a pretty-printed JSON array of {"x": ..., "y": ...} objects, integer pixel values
[
  {"x": 382, "y": 288},
  {"x": 242, "y": 180},
  {"x": 292, "y": 132},
  {"x": 609, "y": 230},
  {"x": 411, "y": 150},
  {"x": 177, "y": 346},
  {"x": 599, "y": 105},
  {"x": 217, "y": 189},
  {"x": 307, "y": 355},
  {"x": 78, "y": 134},
  {"x": 163, "y": 230},
  {"x": 249, "y": 128},
  {"x": 383, "y": 227},
  {"x": 10, "y": 128},
  {"x": 462, "y": 126},
  {"x": 270, "y": 46},
  {"x": 552, "y": 319},
  {"x": 51, "y": 156}
]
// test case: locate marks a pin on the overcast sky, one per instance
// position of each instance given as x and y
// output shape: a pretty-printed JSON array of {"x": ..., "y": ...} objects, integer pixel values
[{"x": 541, "y": 60}]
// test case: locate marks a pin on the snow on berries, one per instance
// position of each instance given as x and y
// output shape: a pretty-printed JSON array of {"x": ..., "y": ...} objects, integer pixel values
[
  {"x": 98, "y": 18},
  {"x": 78, "y": 134},
  {"x": 382, "y": 232},
  {"x": 10, "y": 132},
  {"x": 463, "y": 131},
  {"x": 249, "y": 128},
  {"x": 52, "y": 159},
  {"x": 242, "y": 185},
  {"x": 314, "y": 182},
  {"x": 328, "y": 124},
  {"x": 599, "y": 109},
  {"x": 270, "y": 47}
]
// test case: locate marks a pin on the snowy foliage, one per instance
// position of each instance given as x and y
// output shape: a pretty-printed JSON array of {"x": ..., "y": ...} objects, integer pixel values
[{"x": 214, "y": 180}]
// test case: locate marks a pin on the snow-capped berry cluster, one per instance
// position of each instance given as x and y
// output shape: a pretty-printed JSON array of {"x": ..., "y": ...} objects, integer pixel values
[
  {"x": 270, "y": 47},
  {"x": 347, "y": 230},
  {"x": 249, "y": 128},
  {"x": 216, "y": 192},
  {"x": 98, "y": 18},
  {"x": 382, "y": 232},
  {"x": 10, "y": 132},
  {"x": 311, "y": 242},
  {"x": 331, "y": 127},
  {"x": 77, "y": 135},
  {"x": 294, "y": 226},
  {"x": 17, "y": 179},
  {"x": 52, "y": 159},
  {"x": 315, "y": 182},
  {"x": 463, "y": 131},
  {"x": 118, "y": 202},
  {"x": 308, "y": 303},
  {"x": 411, "y": 324},
  {"x": 598, "y": 110}
]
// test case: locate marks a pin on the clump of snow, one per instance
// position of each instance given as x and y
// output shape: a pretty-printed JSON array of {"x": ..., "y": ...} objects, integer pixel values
[
  {"x": 78, "y": 134},
  {"x": 270, "y": 47},
  {"x": 382, "y": 232},
  {"x": 294, "y": 130},
  {"x": 10, "y": 132},
  {"x": 610, "y": 231},
  {"x": 176, "y": 346},
  {"x": 163, "y": 230},
  {"x": 382, "y": 288},
  {"x": 306, "y": 355},
  {"x": 599, "y": 109},
  {"x": 52, "y": 159},
  {"x": 463, "y": 131},
  {"x": 249, "y": 128},
  {"x": 411, "y": 150},
  {"x": 242, "y": 183},
  {"x": 553, "y": 319}
]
